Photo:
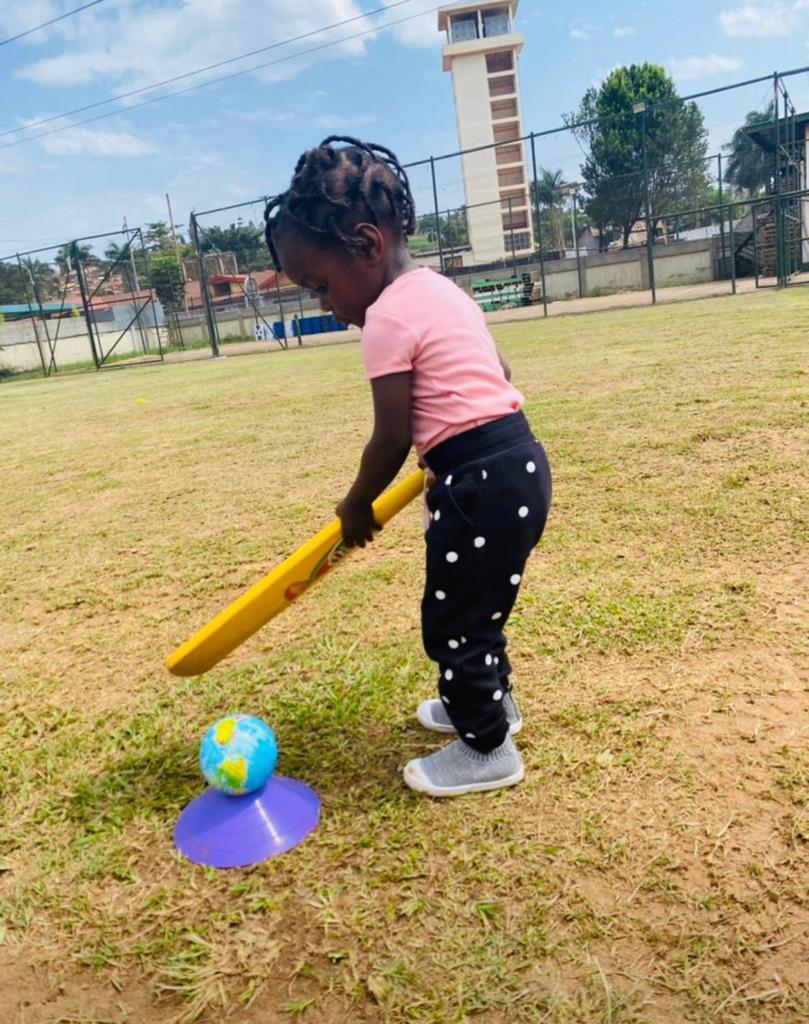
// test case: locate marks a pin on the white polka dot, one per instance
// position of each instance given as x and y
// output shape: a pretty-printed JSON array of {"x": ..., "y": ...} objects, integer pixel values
[
  {"x": 515, "y": 579},
  {"x": 449, "y": 479},
  {"x": 497, "y": 661},
  {"x": 448, "y": 675},
  {"x": 454, "y": 644},
  {"x": 497, "y": 695},
  {"x": 523, "y": 511},
  {"x": 452, "y": 556},
  {"x": 484, "y": 474},
  {"x": 441, "y": 595},
  {"x": 530, "y": 466},
  {"x": 463, "y": 639},
  {"x": 437, "y": 514},
  {"x": 445, "y": 699},
  {"x": 471, "y": 736},
  {"x": 496, "y": 616},
  {"x": 479, "y": 542},
  {"x": 488, "y": 659}
]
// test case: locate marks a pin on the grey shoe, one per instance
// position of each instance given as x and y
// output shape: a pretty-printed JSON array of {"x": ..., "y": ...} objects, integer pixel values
[
  {"x": 457, "y": 769},
  {"x": 433, "y": 715}
]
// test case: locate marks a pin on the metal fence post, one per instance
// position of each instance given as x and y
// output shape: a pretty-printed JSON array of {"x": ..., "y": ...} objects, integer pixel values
[
  {"x": 539, "y": 225},
  {"x": 511, "y": 228},
  {"x": 777, "y": 159},
  {"x": 755, "y": 244},
  {"x": 641, "y": 108},
  {"x": 85, "y": 301},
  {"x": 437, "y": 217},
  {"x": 203, "y": 286},
  {"x": 732, "y": 255},
  {"x": 284, "y": 342},
  {"x": 576, "y": 244},
  {"x": 722, "y": 216}
]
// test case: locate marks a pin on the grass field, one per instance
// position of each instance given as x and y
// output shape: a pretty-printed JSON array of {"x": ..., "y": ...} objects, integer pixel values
[{"x": 652, "y": 867}]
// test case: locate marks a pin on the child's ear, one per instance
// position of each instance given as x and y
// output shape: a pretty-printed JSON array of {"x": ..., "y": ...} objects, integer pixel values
[{"x": 370, "y": 241}]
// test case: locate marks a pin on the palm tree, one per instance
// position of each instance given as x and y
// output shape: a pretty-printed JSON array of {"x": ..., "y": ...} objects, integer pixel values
[
  {"x": 548, "y": 193},
  {"x": 750, "y": 168},
  {"x": 74, "y": 252}
]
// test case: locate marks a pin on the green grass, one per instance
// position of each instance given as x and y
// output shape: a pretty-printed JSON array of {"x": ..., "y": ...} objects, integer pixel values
[{"x": 652, "y": 866}]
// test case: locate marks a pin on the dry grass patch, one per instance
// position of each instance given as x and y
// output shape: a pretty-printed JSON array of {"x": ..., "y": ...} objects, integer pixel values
[{"x": 652, "y": 867}]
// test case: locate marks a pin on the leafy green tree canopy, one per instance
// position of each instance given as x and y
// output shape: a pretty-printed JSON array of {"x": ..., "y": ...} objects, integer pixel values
[
  {"x": 750, "y": 167},
  {"x": 676, "y": 147},
  {"x": 167, "y": 279},
  {"x": 246, "y": 241}
]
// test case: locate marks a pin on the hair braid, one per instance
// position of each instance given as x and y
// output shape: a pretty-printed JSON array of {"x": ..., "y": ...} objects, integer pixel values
[{"x": 334, "y": 189}]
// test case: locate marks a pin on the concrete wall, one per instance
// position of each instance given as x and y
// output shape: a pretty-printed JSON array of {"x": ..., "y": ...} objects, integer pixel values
[
  {"x": 616, "y": 271},
  {"x": 19, "y": 349},
  {"x": 473, "y": 113}
]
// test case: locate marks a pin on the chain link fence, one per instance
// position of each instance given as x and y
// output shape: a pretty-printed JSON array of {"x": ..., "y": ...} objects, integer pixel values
[
  {"x": 87, "y": 302},
  {"x": 529, "y": 219}
]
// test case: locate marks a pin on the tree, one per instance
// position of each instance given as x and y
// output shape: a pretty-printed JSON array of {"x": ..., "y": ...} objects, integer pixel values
[
  {"x": 74, "y": 252},
  {"x": 12, "y": 284},
  {"x": 167, "y": 279},
  {"x": 246, "y": 241},
  {"x": 750, "y": 168},
  {"x": 676, "y": 147},
  {"x": 454, "y": 229},
  {"x": 548, "y": 193},
  {"x": 130, "y": 261},
  {"x": 157, "y": 237}
]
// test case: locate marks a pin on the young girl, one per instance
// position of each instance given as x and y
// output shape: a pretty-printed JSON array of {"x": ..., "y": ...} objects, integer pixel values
[{"x": 439, "y": 382}]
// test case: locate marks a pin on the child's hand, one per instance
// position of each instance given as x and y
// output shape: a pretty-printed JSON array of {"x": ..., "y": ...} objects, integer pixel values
[{"x": 358, "y": 522}]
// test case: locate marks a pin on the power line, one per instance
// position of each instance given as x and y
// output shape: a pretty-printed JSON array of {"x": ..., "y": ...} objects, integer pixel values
[
  {"x": 220, "y": 78},
  {"x": 200, "y": 71},
  {"x": 44, "y": 24}
]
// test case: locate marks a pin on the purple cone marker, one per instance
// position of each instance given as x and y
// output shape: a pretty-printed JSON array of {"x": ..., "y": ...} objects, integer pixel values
[{"x": 224, "y": 831}]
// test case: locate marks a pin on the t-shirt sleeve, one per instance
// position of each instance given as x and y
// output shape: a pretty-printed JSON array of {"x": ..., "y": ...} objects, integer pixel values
[{"x": 388, "y": 345}]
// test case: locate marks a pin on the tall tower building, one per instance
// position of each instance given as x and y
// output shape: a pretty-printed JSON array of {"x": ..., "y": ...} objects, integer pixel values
[{"x": 482, "y": 52}]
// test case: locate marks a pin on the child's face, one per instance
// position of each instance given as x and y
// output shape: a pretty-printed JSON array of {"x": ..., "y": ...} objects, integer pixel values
[{"x": 346, "y": 284}]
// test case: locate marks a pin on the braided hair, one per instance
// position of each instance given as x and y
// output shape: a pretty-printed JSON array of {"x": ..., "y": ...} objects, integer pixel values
[{"x": 334, "y": 189}]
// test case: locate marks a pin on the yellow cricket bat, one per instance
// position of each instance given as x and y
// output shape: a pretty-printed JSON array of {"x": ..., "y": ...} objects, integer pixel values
[{"x": 279, "y": 588}]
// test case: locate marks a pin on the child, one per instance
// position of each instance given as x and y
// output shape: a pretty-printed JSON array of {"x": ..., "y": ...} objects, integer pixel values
[{"x": 438, "y": 382}]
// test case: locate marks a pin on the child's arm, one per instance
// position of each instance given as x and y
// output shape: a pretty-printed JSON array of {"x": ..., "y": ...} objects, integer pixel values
[{"x": 383, "y": 456}]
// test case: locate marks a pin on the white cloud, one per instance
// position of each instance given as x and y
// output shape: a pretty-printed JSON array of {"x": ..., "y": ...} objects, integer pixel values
[
  {"x": 421, "y": 31},
  {"x": 688, "y": 69},
  {"x": 86, "y": 142},
  {"x": 623, "y": 32},
  {"x": 764, "y": 20},
  {"x": 131, "y": 44},
  {"x": 343, "y": 122},
  {"x": 91, "y": 142},
  {"x": 579, "y": 34}
]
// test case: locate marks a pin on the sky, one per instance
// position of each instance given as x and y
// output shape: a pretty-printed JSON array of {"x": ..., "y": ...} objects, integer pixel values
[{"x": 235, "y": 140}]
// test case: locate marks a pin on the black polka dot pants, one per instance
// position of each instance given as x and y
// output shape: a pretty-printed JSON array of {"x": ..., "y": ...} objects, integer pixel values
[{"x": 488, "y": 509}]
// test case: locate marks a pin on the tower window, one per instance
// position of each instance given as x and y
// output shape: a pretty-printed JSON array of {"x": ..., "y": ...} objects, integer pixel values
[
  {"x": 503, "y": 85},
  {"x": 495, "y": 22},
  {"x": 500, "y": 60},
  {"x": 464, "y": 28},
  {"x": 503, "y": 108},
  {"x": 508, "y": 155}
]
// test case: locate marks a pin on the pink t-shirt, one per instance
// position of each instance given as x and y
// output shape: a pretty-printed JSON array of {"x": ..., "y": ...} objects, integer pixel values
[{"x": 425, "y": 323}]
